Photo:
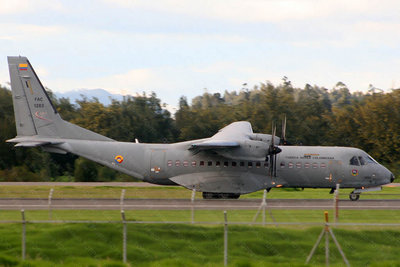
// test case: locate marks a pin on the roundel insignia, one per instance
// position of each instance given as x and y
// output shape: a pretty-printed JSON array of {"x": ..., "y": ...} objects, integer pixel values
[
  {"x": 119, "y": 159},
  {"x": 354, "y": 172}
]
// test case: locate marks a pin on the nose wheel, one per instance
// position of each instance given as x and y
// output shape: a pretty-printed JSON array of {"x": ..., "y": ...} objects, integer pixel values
[{"x": 354, "y": 196}]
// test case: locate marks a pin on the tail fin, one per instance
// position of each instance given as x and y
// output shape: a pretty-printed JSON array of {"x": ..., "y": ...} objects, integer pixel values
[{"x": 35, "y": 115}]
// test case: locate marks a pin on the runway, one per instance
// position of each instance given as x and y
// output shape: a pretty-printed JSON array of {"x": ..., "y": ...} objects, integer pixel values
[
  {"x": 185, "y": 204},
  {"x": 110, "y": 184},
  {"x": 89, "y": 184}
]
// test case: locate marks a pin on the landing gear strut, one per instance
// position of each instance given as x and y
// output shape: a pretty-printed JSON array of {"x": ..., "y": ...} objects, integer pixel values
[
  {"x": 354, "y": 196},
  {"x": 209, "y": 195}
]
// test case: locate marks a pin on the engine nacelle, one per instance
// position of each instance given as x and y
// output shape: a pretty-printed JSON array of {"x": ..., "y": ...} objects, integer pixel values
[
  {"x": 264, "y": 138},
  {"x": 248, "y": 150}
]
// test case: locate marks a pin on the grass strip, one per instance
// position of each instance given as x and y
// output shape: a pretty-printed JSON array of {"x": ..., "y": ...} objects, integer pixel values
[
  {"x": 176, "y": 192},
  {"x": 187, "y": 245}
]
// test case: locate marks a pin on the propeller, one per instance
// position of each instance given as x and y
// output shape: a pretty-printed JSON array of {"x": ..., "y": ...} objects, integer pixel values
[
  {"x": 283, "y": 140},
  {"x": 283, "y": 136},
  {"x": 272, "y": 151}
]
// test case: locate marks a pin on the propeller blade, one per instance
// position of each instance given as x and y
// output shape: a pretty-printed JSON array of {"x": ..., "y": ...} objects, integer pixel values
[
  {"x": 271, "y": 165},
  {"x": 283, "y": 141},
  {"x": 272, "y": 145},
  {"x": 271, "y": 151}
]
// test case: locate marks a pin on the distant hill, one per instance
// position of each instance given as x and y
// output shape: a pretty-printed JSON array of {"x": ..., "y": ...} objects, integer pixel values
[{"x": 101, "y": 94}]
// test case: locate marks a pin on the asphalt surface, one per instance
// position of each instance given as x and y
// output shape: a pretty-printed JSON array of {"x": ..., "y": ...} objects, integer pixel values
[
  {"x": 184, "y": 204},
  {"x": 178, "y": 204},
  {"x": 122, "y": 184},
  {"x": 118, "y": 184}
]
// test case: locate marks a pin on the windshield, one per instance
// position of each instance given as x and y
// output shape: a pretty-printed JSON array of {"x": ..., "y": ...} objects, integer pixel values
[
  {"x": 371, "y": 160},
  {"x": 362, "y": 160}
]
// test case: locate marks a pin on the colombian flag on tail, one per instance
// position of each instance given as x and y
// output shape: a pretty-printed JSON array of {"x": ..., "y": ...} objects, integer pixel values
[{"x": 23, "y": 66}]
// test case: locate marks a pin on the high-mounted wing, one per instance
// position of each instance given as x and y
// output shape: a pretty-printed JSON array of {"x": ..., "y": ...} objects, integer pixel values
[
  {"x": 234, "y": 131},
  {"x": 236, "y": 141},
  {"x": 227, "y": 138}
]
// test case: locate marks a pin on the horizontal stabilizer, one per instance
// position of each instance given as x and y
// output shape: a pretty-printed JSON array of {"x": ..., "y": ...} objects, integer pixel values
[
  {"x": 31, "y": 144},
  {"x": 32, "y": 141}
]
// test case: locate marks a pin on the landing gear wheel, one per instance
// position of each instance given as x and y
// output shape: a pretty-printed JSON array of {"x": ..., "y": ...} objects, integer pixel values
[
  {"x": 209, "y": 195},
  {"x": 232, "y": 196},
  {"x": 353, "y": 196}
]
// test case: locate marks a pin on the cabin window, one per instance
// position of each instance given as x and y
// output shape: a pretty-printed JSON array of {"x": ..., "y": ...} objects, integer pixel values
[
  {"x": 315, "y": 165},
  {"x": 226, "y": 164},
  {"x": 234, "y": 163},
  {"x": 201, "y": 163},
  {"x": 265, "y": 164},
  {"x": 241, "y": 164},
  {"x": 209, "y": 163},
  {"x": 193, "y": 163},
  {"x": 306, "y": 165},
  {"x": 258, "y": 164},
  {"x": 282, "y": 165},
  {"x": 250, "y": 164},
  {"x": 323, "y": 165},
  {"x": 354, "y": 161},
  {"x": 169, "y": 163},
  {"x": 217, "y": 163},
  {"x": 298, "y": 165},
  {"x": 177, "y": 163},
  {"x": 185, "y": 163},
  {"x": 290, "y": 165}
]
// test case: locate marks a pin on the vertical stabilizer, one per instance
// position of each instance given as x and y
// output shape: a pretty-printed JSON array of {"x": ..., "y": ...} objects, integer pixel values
[
  {"x": 34, "y": 112},
  {"x": 20, "y": 76}
]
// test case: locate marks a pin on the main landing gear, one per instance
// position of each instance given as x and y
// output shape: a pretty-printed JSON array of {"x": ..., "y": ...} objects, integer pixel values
[
  {"x": 209, "y": 195},
  {"x": 354, "y": 196}
]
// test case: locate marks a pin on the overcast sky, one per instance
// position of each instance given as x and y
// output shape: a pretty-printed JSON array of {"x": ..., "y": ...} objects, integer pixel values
[{"x": 181, "y": 47}]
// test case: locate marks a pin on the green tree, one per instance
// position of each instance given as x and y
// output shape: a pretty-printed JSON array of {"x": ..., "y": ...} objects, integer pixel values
[
  {"x": 85, "y": 170},
  {"x": 7, "y": 129}
]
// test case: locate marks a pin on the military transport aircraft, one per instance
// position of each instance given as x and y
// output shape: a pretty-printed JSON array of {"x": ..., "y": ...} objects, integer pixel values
[{"x": 234, "y": 161}]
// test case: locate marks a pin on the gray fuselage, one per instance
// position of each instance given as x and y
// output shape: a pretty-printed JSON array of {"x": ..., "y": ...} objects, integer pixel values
[{"x": 296, "y": 166}]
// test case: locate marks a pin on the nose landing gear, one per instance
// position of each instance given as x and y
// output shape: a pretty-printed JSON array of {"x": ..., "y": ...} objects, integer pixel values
[{"x": 355, "y": 195}]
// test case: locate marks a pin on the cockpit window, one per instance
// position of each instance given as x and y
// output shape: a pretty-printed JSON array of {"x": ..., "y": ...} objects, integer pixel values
[
  {"x": 370, "y": 160},
  {"x": 362, "y": 160},
  {"x": 354, "y": 161}
]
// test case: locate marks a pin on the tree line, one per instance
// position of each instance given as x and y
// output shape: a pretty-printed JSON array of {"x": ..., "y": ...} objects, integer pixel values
[{"x": 315, "y": 116}]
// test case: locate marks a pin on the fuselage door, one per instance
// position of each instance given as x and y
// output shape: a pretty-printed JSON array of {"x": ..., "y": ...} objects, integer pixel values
[
  {"x": 157, "y": 163},
  {"x": 336, "y": 172}
]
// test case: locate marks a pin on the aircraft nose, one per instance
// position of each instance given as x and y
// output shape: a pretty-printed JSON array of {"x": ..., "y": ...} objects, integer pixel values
[{"x": 392, "y": 177}]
